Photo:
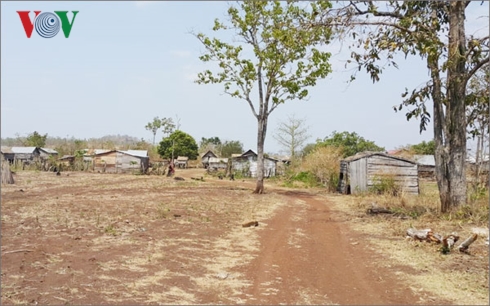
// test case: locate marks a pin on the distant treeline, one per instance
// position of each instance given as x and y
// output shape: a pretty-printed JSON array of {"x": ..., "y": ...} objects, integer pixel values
[{"x": 68, "y": 146}]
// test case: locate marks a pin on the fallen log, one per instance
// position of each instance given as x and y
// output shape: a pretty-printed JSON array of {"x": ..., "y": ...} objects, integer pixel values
[
  {"x": 448, "y": 242},
  {"x": 375, "y": 211},
  {"x": 463, "y": 247},
  {"x": 249, "y": 224},
  {"x": 419, "y": 234}
]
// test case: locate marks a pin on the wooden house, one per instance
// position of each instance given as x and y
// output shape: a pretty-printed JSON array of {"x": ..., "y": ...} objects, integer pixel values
[
  {"x": 426, "y": 165},
  {"x": 46, "y": 153},
  {"x": 246, "y": 164},
  {"x": 217, "y": 164},
  {"x": 7, "y": 154},
  {"x": 115, "y": 161},
  {"x": 24, "y": 154},
  {"x": 359, "y": 173},
  {"x": 205, "y": 158},
  {"x": 181, "y": 162}
]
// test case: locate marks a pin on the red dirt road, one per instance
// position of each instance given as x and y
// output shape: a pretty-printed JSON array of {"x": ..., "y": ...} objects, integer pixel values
[{"x": 309, "y": 256}]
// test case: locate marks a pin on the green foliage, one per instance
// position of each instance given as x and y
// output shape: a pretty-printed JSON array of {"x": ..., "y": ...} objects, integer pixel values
[
  {"x": 230, "y": 147},
  {"x": 424, "y": 148},
  {"x": 215, "y": 141},
  {"x": 384, "y": 185},
  {"x": 351, "y": 143},
  {"x": 36, "y": 140},
  {"x": 166, "y": 124},
  {"x": 181, "y": 143}
]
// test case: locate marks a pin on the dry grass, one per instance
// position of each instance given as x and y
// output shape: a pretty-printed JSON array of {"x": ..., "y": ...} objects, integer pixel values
[
  {"x": 121, "y": 233},
  {"x": 462, "y": 278}
]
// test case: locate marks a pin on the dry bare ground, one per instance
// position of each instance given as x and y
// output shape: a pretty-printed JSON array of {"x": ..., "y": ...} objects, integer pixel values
[{"x": 83, "y": 238}]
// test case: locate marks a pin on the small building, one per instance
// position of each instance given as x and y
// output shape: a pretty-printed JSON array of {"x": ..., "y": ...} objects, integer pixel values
[
  {"x": 115, "y": 161},
  {"x": 181, "y": 162},
  {"x": 205, "y": 158},
  {"x": 359, "y": 173},
  {"x": 426, "y": 165},
  {"x": 217, "y": 164},
  {"x": 24, "y": 154},
  {"x": 67, "y": 160},
  {"x": 46, "y": 153},
  {"x": 246, "y": 164},
  {"x": 7, "y": 154}
]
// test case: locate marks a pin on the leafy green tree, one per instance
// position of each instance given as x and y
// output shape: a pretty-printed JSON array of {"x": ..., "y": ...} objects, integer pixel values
[
  {"x": 351, "y": 143},
  {"x": 231, "y": 147},
  {"x": 291, "y": 134},
  {"x": 424, "y": 148},
  {"x": 269, "y": 53},
  {"x": 154, "y": 126},
  {"x": 434, "y": 30},
  {"x": 166, "y": 124},
  {"x": 36, "y": 140},
  {"x": 209, "y": 144},
  {"x": 178, "y": 144}
]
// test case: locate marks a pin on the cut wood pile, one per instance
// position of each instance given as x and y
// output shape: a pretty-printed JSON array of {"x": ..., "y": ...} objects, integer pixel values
[{"x": 447, "y": 241}]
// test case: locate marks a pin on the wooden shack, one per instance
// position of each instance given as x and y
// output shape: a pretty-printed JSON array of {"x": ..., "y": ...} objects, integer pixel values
[
  {"x": 217, "y": 164},
  {"x": 246, "y": 164},
  {"x": 359, "y": 173},
  {"x": 25, "y": 154},
  {"x": 115, "y": 161},
  {"x": 181, "y": 162},
  {"x": 46, "y": 153},
  {"x": 205, "y": 158},
  {"x": 426, "y": 165}
]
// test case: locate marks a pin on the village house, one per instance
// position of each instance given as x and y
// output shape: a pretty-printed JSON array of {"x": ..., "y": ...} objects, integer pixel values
[
  {"x": 205, "y": 158},
  {"x": 246, "y": 164},
  {"x": 217, "y": 164},
  {"x": 24, "y": 154},
  {"x": 426, "y": 165},
  {"x": 46, "y": 153},
  {"x": 181, "y": 162},
  {"x": 359, "y": 173},
  {"x": 115, "y": 161}
]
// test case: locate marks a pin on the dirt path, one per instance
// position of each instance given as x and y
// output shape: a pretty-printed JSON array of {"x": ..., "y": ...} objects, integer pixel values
[{"x": 308, "y": 256}]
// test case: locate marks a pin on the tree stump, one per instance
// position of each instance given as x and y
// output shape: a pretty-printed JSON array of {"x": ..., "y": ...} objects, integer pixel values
[{"x": 7, "y": 177}]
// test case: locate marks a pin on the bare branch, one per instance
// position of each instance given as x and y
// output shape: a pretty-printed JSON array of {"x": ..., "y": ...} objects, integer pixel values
[{"x": 475, "y": 69}]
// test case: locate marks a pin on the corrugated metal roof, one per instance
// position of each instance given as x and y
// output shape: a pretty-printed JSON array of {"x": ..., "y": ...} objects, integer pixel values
[
  {"x": 139, "y": 153},
  {"x": 100, "y": 151},
  {"x": 49, "y": 151},
  {"x": 23, "y": 150},
  {"x": 371, "y": 153},
  {"x": 6, "y": 150},
  {"x": 182, "y": 158},
  {"x": 425, "y": 160},
  {"x": 236, "y": 155},
  {"x": 210, "y": 153}
]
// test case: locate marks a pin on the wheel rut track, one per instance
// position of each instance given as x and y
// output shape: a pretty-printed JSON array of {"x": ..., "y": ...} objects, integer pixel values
[{"x": 326, "y": 264}]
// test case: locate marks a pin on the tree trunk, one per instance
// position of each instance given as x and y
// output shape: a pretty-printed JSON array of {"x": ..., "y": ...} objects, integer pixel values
[
  {"x": 262, "y": 129},
  {"x": 456, "y": 109},
  {"x": 7, "y": 177}
]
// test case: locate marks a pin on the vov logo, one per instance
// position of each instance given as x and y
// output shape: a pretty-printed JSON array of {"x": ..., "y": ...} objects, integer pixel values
[{"x": 47, "y": 24}]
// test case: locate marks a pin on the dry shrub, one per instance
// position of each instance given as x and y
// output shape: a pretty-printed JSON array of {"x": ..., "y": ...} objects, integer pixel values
[{"x": 324, "y": 164}]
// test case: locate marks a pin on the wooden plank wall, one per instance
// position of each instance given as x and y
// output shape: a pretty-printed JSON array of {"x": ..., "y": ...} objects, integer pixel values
[{"x": 404, "y": 173}]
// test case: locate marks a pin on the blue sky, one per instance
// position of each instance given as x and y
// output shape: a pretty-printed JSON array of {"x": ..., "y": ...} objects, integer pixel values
[{"x": 127, "y": 62}]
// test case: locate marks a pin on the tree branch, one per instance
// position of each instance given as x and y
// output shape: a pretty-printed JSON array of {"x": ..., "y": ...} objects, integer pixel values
[{"x": 475, "y": 69}]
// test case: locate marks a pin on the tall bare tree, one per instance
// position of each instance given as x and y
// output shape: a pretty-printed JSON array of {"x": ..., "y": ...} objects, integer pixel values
[
  {"x": 270, "y": 53},
  {"x": 434, "y": 30},
  {"x": 292, "y": 134}
]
